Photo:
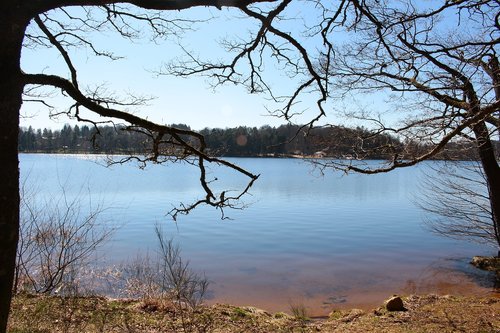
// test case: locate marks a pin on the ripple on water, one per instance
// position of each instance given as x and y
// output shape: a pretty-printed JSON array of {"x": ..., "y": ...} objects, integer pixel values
[{"x": 325, "y": 242}]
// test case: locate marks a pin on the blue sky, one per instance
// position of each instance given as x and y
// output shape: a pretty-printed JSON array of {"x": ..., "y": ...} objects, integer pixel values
[
  {"x": 176, "y": 100},
  {"x": 193, "y": 101}
]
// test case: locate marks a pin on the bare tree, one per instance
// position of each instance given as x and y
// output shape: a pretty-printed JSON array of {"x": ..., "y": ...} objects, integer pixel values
[
  {"x": 434, "y": 65},
  {"x": 58, "y": 238},
  {"x": 35, "y": 24},
  {"x": 443, "y": 73},
  {"x": 439, "y": 65},
  {"x": 456, "y": 197}
]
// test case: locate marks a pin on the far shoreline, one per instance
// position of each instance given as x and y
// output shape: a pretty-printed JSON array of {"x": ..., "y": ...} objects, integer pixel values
[{"x": 263, "y": 156}]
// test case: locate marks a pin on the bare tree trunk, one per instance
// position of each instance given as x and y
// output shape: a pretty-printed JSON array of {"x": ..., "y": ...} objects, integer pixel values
[
  {"x": 489, "y": 161},
  {"x": 492, "y": 173},
  {"x": 12, "y": 29}
]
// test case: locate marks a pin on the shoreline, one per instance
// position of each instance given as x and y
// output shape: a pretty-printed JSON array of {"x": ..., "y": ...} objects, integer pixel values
[
  {"x": 263, "y": 156},
  {"x": 420, "y": 313}
]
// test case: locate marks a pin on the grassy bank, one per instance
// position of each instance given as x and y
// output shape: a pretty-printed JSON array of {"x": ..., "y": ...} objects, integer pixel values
[{"x": 41, "y": 314}]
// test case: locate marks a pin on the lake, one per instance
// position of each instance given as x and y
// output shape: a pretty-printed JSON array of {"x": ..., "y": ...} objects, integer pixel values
[{"x": 331, "y": 241}]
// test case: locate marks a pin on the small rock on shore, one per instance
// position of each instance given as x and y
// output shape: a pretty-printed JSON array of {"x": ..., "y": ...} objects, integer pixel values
[{"x": 395, "y": 303}]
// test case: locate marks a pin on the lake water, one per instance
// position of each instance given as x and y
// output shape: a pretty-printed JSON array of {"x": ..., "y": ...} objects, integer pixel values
[{"x": 325, "y": 242}]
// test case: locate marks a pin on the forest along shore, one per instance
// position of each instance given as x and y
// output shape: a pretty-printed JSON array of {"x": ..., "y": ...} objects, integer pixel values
[{"x": 266, "y": 141}]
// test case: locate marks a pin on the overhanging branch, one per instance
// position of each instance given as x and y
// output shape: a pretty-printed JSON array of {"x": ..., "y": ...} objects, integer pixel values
[{"x": 158, "y": 131}]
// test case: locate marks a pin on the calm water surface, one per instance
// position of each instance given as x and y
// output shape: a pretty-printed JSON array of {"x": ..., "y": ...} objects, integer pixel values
[{"x": 323, "y": 241}]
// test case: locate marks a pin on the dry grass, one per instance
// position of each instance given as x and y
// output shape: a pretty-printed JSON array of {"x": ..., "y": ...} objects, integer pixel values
[
  {"x": 43, "y": 314},
  {"x": 426, "y": 314}
]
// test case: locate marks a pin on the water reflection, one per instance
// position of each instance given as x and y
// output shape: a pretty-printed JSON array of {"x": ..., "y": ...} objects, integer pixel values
[
  {"x": 327, "y": 242},
  {"x": 453, "y": 276}
]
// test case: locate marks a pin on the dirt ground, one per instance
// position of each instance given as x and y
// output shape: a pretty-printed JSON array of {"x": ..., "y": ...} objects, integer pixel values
[{"x": 424, "y": 313}]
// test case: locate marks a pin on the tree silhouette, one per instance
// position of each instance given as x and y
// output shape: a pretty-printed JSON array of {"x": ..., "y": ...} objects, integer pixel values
[
  {"x": 437, "y": 61},
  {"x": 35, "y": 24},
  {"x": 434, "y": 65}
]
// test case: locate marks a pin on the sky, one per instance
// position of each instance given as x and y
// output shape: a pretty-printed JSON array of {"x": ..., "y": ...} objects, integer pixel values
[{"x": 192, "y": 101}]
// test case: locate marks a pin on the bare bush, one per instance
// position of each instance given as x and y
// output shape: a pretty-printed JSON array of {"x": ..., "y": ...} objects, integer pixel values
[
  {"x": 166, "y": 275},
  {"x": 299, "y": 312},
  {"x": 57, "y": 240},
  {"x": 166, "y": 281},
  {"x": 455, "y": 195},
  {"x": 140, "y": 277},
  {"x": 186, "y": 286}
]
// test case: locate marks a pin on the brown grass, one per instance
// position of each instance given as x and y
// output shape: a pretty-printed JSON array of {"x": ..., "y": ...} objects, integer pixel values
[{"x": 43, "y": 314}]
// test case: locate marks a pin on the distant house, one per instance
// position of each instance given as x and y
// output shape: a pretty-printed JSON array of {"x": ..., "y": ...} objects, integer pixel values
[{"x": 319, "y": 154}]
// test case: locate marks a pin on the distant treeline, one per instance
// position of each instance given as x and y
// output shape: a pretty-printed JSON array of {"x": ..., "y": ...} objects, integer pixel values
[{"x": 285, "y": 140}]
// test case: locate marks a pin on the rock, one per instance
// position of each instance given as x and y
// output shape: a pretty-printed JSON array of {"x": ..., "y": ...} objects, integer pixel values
[
  {"x": 352, "y": 315},
  {"x": 254, "y": 310},
  {"x": 395, "y": 303},
  {"x": 487, "y": 263}
]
